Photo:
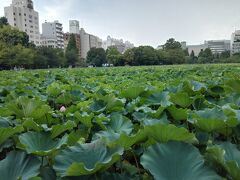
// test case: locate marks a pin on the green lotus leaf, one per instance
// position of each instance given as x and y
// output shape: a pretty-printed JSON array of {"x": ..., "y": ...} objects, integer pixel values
[
  {"x": 176, "y": 161},
  {"x": 211, "y": 120},
  {"x": 19, "y": 165},
  {"x": 181, "y": 99},
  {"x": 6, "y": 133},
  {"x": 98, "y": 106},
  {"x": 4, "y": 122},
  {"x": 178, "y": 114},
  {"x": 54, "y": 89},
  {"x": 30, "y": 124},
  {"x": 40, "y": 143},
  {"x": 228, "y": 156},
  {"x": 167, "y": 132},
  {"x": 5, "y": 145},
  {"x": 127, "y": 141},
  {"x": 233, "y": 85},
  {"x": 132, "y": 92},
  {"x": 75, "y": 136},
  {"x": 197, "y": 86},
  {"x": 113, "y": 104},
  {"x": 115, "y": 176},
  {"x": 85, "y": 118},
  {"x": 47, "y": 173},
  {"x": 24, "y": 107},
  {"x": 161, "y": 98},
  {"x": 120, "y": 124},
  {"x": 85, "y": 159},
  {"x": 60, "y": 128},
  {"x": 232, "y": 159}
]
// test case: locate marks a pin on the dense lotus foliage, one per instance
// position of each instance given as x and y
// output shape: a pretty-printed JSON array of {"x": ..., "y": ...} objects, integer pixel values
[{"x": 131, "y": 123}]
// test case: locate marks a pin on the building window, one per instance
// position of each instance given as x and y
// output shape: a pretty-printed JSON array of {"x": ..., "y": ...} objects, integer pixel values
[
  {"x": 25, "y": 25},
  {"x": 25, "y": 14},
  {"x": 15, "y": 24},
  {"x": 14, "y": 13},
  {"x": 20, "y": 14}
]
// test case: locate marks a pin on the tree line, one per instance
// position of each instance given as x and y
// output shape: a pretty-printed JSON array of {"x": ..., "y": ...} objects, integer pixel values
[
  {"x": 170, "y": 53},
  {"x": 16, "y": 51}
]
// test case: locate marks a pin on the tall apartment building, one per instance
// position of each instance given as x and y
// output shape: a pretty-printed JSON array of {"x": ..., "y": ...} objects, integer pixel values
[
  {"x": 74, "y": 27},
  {"x": 84, "y": 41},
  {"x": 235, "y": 42},
  {"x": 117, "y": 43},
  {"x": 21, "y": 15},
  {"x": 88, "y": 41},
  {"x": 52, "y": 35}
]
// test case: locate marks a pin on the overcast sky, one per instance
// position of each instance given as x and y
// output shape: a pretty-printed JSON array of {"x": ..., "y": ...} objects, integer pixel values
[{"x": 145, "y": 22}]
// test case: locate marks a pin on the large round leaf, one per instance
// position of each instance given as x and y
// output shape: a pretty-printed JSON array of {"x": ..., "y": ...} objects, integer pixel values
[
  {"x": 40, "y": 143},
  {"x": 120, "y": 124},
  {"x": 161, "y": 98},
  {"x": 215, "y": 119},
  {"x": 228, "y": 156},
  {"x": 19, "y": 165},
  {"x": 6, "y": 133},
  {"x": 84, "y": 159},
  {"x": 176, "y": 161},
  {"x": 167, "y": 132}
]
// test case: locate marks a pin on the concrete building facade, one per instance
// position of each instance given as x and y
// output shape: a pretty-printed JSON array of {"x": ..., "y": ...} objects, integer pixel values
[
  {"x": 235, "y": 42},
  {"x": 74, "y": 27},
  {"x": 218, "y": 46},
  {"x": 117, "y": 43},
  {"x": 21, "y": 15},
  {"x": 84, "y": 40},
  {"x": 53, "y": 31}
]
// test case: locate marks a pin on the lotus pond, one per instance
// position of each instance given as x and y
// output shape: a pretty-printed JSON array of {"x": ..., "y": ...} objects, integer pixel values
[{"x": 131, "y": 123}]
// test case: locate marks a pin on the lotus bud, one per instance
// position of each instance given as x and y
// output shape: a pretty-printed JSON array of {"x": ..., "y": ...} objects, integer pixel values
[{"x": 62, "y": 109}]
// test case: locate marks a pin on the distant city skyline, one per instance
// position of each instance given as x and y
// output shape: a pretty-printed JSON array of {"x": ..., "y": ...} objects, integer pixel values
[{"x": 145, "y": 22}]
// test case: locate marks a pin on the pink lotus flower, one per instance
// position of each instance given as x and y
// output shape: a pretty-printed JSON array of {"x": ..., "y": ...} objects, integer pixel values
[{"x": 62, "y": 109}]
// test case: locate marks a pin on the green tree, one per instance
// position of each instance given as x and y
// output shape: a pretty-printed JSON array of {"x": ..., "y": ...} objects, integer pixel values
[
  {"x": 172, "y": 44},
  {"x": 96, "y": 57},
  {"x": 3, "y": 22},
  {"x": 143, "y": 55},
  {"x": 225, "y": 54},
  {"x": 175, "y": 56},
  {"x": 129, "y": 57},
  {"x": 71, "y": 54},
  {"x": 114, "y": 56},
  {"x": 146, "y": 55},
  {"x": 48, "y": 57},
  {"x": 206, "y": 56},
  {"x": 18, "y": 55},
  {"x": 12, "y": 36}
]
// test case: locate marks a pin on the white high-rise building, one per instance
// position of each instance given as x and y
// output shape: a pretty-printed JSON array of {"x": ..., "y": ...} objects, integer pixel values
[
  {"x": 74, "y": 27},
  {"x": 235, "y": 42},
  {"x": 52, "y": 32},
  {"x": 21, "y": 14},
  {"x": 117, "y": 43}
]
